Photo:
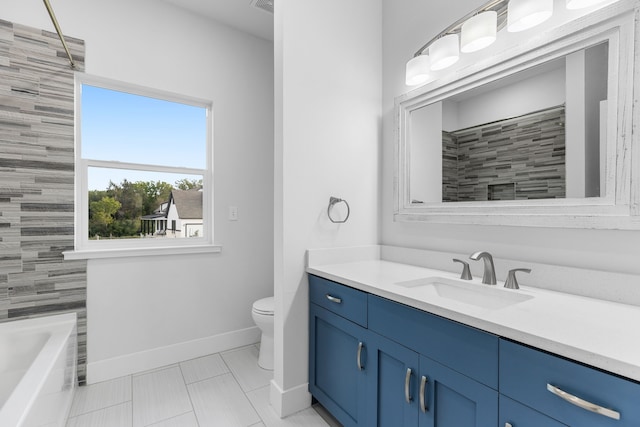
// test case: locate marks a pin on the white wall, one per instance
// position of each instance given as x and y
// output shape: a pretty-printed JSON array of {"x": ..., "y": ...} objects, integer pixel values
[
  {"x": 407, "y": 24},
  {"x": 145, "y": 311},
  {"x": 596, "y": 92},
  {"x": 328, "y": 97},
  {"x": 426, "y": 153},
  {"x": 536, "y": 93},
  {"x": 575, "y": 125}
]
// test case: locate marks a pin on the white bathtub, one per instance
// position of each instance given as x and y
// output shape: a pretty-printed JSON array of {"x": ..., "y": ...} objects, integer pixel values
[{"x": 37, "y": 371}]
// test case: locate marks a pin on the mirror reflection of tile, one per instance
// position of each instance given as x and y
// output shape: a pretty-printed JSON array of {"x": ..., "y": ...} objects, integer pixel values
[{"x": 514, "y": 159}]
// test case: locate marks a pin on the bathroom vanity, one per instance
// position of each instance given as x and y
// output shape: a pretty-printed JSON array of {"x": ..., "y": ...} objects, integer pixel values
[
  {"x": 391, "y": 342},
  {"x": 400, "y": 340}
]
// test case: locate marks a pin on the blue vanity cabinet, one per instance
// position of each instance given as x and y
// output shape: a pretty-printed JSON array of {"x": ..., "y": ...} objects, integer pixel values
[
  {"x": 376, "y": 362},
  {"x": 564, "y": 390},
  {"x": 338, "y": 367}
]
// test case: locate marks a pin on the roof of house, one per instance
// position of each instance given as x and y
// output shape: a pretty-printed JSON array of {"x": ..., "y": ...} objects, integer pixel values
[{"x": 188, "y": 203}]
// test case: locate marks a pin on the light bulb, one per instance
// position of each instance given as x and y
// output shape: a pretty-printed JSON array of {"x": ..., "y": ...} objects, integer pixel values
[
  {"x": 417, "y": 70},
  {"x": 444, "y": 52},
  {"x": 479, "y": 31},
  {"x": 525, "y": 14}
]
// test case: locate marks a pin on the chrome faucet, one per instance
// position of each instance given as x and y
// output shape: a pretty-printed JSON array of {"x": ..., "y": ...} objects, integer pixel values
[{"x": 489, "y": 276}]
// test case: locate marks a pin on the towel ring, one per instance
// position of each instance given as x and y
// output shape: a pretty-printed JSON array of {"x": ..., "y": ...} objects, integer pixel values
[{"x": 334, "y": 201}]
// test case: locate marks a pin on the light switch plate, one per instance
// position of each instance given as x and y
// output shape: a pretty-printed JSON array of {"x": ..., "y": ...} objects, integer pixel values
[{"x": 233, "y": 213}]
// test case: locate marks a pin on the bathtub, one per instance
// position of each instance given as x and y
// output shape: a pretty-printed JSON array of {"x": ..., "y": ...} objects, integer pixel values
[{"x": 37, "y": 371}]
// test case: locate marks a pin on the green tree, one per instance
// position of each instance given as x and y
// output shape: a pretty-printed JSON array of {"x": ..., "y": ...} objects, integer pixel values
[
  {"x": 188, "y": 184},
  {"x": 130, "y": 197},
  {"x": 102, "y": 214},
  {"x": 154, "y": 193}
]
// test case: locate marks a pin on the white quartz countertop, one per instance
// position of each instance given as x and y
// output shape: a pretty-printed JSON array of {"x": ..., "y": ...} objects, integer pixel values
[{"x": 599, "y": 333}]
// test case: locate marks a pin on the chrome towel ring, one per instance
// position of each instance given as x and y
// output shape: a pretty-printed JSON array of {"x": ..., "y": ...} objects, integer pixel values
[{"x": 334, "y": 201}]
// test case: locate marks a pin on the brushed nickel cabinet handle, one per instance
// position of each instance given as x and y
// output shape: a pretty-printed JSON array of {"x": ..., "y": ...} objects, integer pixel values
[
  {"x": 581, "y": 403},
  {"x": 334, "y": 299},
  {"x": 359, "y": 356},
  {"x": 507, "y": 425},
  {"x": 423, "y": 385},
  {"x": 407, "y": 384}
]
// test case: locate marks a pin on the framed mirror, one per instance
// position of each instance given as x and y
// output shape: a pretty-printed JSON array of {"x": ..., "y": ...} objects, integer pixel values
[{"x": 539, "y": 136}]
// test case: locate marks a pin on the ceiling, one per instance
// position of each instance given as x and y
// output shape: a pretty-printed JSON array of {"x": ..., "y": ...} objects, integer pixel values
[{"x": 239, "y": 14}]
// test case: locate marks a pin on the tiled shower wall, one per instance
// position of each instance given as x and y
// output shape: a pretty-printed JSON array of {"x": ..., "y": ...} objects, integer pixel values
[
  {"x": 37, "y": 179},
  {"x": 523, "y": 157},
  {"x": 449, "y": 168}
]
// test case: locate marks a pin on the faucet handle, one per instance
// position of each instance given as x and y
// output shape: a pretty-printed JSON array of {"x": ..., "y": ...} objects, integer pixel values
[
  {"x": 466, "y": 272},
  {"x": 512, "y": 282}
]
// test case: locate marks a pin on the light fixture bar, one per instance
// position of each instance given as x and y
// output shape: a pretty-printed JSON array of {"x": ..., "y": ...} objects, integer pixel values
[{"x": 498, "y": 6}]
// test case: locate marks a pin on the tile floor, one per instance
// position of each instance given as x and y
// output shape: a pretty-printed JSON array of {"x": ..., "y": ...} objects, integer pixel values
[{"x": 224, "y": 389}]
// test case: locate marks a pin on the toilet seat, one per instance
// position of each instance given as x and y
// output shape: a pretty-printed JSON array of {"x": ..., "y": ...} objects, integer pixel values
[{"x": 264, "y": 306}]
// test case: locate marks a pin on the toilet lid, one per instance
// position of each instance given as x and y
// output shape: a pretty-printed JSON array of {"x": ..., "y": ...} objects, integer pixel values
[{"x": 264, "y": 306}]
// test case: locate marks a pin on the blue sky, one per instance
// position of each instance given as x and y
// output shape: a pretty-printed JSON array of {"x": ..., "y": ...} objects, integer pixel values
[{"x": 131, "y": 128}]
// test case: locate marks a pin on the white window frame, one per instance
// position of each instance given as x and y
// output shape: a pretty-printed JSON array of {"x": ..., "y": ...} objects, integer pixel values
[{"x": 87, "y": 249}]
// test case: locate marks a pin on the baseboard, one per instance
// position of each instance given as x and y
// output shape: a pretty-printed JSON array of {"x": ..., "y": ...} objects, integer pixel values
[
  {"x": 290, "y": 401},
  {"x": 108, "y": 369}
]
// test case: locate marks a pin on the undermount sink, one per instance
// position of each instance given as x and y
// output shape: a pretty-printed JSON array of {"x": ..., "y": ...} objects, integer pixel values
[{"x": 466, "y": 292}]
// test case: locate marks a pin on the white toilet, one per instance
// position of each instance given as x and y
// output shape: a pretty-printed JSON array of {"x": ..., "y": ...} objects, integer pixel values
[{"x": 262, "y": 313}]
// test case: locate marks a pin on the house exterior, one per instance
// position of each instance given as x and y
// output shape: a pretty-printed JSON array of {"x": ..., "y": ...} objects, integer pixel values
[{"x": 179, "y": 217}]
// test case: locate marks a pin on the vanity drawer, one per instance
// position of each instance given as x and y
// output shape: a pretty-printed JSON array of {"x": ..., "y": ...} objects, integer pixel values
[
  {"x": 471, "y": 352},
  {"x": 516, "y": 414},
  {"x": 527, "y": 374},
  {"x": 345, "y": 301}
]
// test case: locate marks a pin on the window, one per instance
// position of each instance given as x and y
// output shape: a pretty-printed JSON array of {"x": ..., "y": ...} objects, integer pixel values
[{"x": 143, "y": 168}]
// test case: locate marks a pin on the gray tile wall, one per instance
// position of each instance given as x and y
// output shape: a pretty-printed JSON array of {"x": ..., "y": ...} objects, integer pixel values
[
  {"x": 525, "y": 154},
  {"x": 37, "y": 179},
  {"x": 449, "y": 167}
]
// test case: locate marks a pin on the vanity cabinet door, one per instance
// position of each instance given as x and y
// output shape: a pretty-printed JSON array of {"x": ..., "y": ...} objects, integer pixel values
[
  {"x": 338, "y": 366},
  {"x": 454, "y": 400},
  {"x": 393, "y": 390},
  {"x": 514, "y": 414}
]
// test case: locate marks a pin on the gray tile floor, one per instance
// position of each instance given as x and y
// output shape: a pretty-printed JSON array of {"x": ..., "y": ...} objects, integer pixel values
[{"x": 225, "y": 389}]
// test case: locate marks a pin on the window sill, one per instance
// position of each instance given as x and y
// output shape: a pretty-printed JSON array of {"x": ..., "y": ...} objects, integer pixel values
[{"x": 133, "y": 252}]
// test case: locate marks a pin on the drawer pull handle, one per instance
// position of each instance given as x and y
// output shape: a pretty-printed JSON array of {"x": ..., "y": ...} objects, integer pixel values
[
  {"x": 359, "y": 356},
  {"x": 407, "y": 386},
  {"x": 334, "y": 299},
  {"x": 575, "y": 400},
  {"x": 508, "y": 425},
  {"x": 423, "y": 386}
]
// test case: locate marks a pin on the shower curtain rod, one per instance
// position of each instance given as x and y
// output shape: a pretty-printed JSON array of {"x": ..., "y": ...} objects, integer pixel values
[{"x": 55, "y": 24}]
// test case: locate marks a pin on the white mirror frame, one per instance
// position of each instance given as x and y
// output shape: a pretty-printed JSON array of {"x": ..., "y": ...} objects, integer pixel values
[{"x": 619, "y": 208}]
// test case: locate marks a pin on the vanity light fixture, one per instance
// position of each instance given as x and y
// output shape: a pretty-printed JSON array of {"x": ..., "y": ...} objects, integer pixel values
[
  {"x": 479, "y": 31},
  {"x": 444, "y": 52},
  {"x": 444, "y": 49},
  {"x": 580, "y": 4},
  {"x": 525, "y": 14}
]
